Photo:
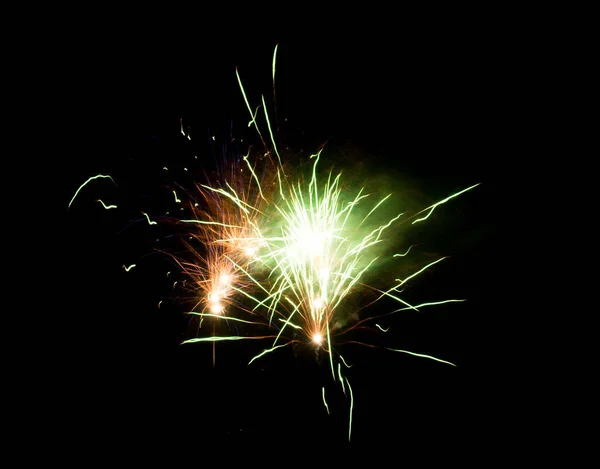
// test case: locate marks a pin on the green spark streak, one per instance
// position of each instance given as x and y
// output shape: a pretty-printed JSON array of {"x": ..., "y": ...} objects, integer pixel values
[
  {"x": 407, "y": 251},
  {"x": 375, "y": 208},
  {"x": 330, "y": 351},
  {"x": 280, "y": 185},
  {"x": 148, "y": 218},
  {"x": 107, "y": 207},
  {"x": 398, "y": 299},
  {"x": 176, "y": 198},
  {"x": 421, "y": 355},
  {"x": 402, "y": 282},
  {"x": 273, "y": 66},
  {"x": 346, "y": 364},
  {"x": 291, "y": 324},
  {"x": 218, "y": 339},
  {"x": 366, "y": 243},
  {"x": 264, "y": 352},
  {"x": 433, "y": 303},
  {"x": 127, "y": 269},
  {"x": 341, "y": 377},
  {"x": 254, "y": 176},
  {"x": 256, "y": 282},
  {"x": 324, "y": 401},
  {"x": 351, "y": 409},
  {"x": 382, "y": 329},
  {"x": 270, "y": 131},
  {"x": 89, "y": 180},
  {"x": 286, "y": 322},
  {"x": 437, "y": 204},
  {"x": 253, "y": 121}
]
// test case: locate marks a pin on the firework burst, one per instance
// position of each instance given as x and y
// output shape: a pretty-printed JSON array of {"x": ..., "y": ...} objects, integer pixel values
[{"x": 265, "y": 248}]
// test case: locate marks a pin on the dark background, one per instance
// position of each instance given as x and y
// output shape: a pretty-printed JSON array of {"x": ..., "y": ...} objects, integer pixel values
[{"x": 433, "y": 106}]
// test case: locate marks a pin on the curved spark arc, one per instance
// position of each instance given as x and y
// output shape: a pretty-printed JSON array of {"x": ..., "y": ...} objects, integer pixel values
[{"x": 98, "y": 176}]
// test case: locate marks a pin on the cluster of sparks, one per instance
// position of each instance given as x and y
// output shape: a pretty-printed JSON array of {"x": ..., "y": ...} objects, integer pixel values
[{"x": 285, "y": 252}]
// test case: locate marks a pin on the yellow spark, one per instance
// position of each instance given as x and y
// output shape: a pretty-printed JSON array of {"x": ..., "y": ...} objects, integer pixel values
[
  {"x": 346, "y": 364},
  {"x": 437, "y": 204},
  {"x": 107, "y": 207},
  {"x": 407, "y": 251},
  {"x": 148, "y": 218},
  {"x": 219, "y": 339},
  {"x": 421, "y": 355},
  {"x": 273, "y": 66},
  {"x": 291, "y": 324},
  {"x": 351, "y": 409},
  {"x": 324, "y": 401},
  {"x": 382, "y": 329},
  {"x": 175, "y": 194},
  {"x": 270, "y": 131},
  {"x": 341, "y": 377},
  {"x": 402, "y": 282},
  {"x": 432, "y": 303},
  {"x": 253, "y": 121},
  {"x": 127, "y": 269},
  {"x": 245, "y": 158},
  {"x": 264, "y": 352}
]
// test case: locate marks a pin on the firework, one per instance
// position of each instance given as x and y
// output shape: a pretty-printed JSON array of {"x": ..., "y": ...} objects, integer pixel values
[{"x": 273, "y": 247}]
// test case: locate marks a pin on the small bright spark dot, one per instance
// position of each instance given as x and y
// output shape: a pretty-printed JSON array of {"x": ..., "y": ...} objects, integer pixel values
[{"x": 317, "y": 338}]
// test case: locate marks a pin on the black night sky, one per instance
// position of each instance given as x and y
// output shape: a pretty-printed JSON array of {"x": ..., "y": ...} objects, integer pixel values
[{"x": 426, "y": 109}]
